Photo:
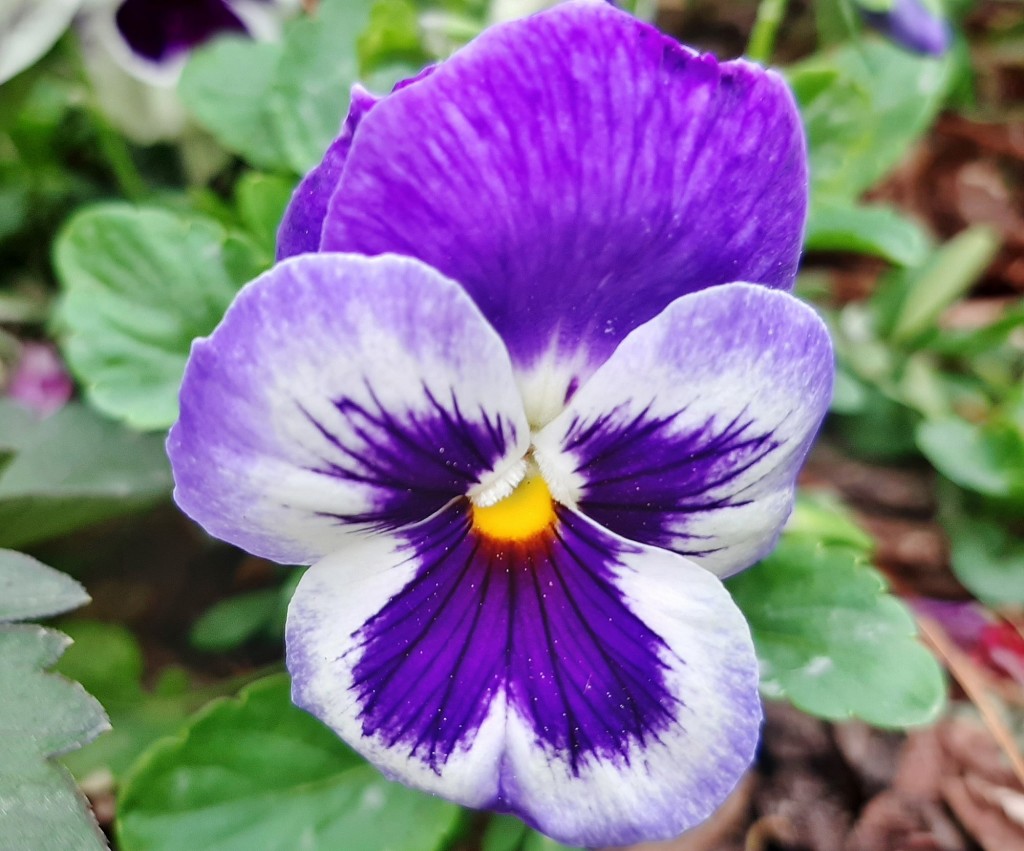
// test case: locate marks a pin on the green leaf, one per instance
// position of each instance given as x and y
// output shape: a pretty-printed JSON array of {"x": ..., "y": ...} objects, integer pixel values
[
  {"x": 140, "y": 284},
  {"x": 848, "y": 393},
  {"x": 234, "y": 621},
  {"x": 392, "y": 35},
  {"x": 257, "y": 772},
  {"x": 881, "y": 429},
  {"x": 880, "y": 101},
  {"x": 820, "y": 516},
  {"x": 878, "y": 231},
  {"x": 987, "y": 558},
  {"x": 539, "y": 842},
  {"x": 42, "y": 715},
  {"x": 504, "y": 833},
  {"x": 507, "y": 833},
  {"x": 30, "y": 589},
  {"x": 72, "y": 469},
  {"x": 832, "y": 641},
  {"x": 261, "y": 200},
  {"x": 279, "y": 105},
  {"x": 952, "y": 270},
  {"x": 962, "y": 342},
  {"x": 107, "y": 660},
  {"x": 987, "y": 459}
]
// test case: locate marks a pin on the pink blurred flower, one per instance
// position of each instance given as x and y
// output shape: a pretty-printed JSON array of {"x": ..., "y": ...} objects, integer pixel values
[{"x": 40, "y": 381}]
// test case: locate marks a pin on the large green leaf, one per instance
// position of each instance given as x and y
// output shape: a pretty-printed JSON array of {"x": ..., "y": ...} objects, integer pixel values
[
  {"x": 279, "y": 105},
  {"x": 832, "y": 640},
  {"x": 72, "y": 469},
  {"x": 863, "y": 105},
  {"x": 42, "y": 715},
  {"x": 257, "y": 772},
  {"x": 139, "y": 285},
  {"x": 875, "y": 230},
  {"x": 29, "y": 589},
  {"x": 107, "y": 660},
  {"x": 985, "y": 458}
]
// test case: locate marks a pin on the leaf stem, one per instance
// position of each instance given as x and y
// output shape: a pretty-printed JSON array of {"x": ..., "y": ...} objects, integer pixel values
[
  {"x": 762, "y": 38},
  {"x": 118, "y": 157}
]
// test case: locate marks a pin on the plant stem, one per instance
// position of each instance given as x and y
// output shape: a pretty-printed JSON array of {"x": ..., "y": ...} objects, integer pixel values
[
  {"x": 762, "y": 38},
  {"x": 117, "y": 155}
]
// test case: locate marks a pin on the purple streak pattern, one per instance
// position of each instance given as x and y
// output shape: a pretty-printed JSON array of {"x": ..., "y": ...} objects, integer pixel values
[
  {"x": 399, "y": 454},
  {"x": 678, "y": 472},
  {"x": 579, "y": 158},
  {"x": 602, "y": 690},
  {"x": 341, "y": 392},
  {"x": 481, "y": 618},
  {"x": 524, "y": 261},
  {"x": 691, "y": 435}
]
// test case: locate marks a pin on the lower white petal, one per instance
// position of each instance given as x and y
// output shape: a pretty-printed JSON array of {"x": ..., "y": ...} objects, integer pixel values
[{"x": 604, "y": 691}]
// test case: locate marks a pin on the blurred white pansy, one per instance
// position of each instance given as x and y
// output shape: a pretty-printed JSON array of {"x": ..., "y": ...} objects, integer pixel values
[
  {"x": 28, "y": 29},
  {"x": 133, "y": 50}
]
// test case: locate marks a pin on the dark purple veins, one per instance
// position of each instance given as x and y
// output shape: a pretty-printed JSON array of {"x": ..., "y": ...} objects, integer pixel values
[
  {"x": 543, "y": 622},
  {"x": 678, "y": 473},
  {"x": 159, "y": 30},
  {"x": 418, "y": 461}
]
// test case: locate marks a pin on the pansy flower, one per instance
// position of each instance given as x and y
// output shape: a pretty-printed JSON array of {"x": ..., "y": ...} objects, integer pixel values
[
  {"x": 148, "y": 37},
  {"x": 917, "y": 25},
  {"x": 151, "y": 39},
  {"x": 504, "y": 393},
  {"x": 40, "y": 380}
]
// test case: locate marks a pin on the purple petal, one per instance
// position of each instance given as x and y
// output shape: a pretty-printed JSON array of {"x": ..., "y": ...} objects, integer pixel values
[
  {"x": 603, "y": 691},
  {"x": 578, "y": 171},
  {"x": 691, "y": 435},
  {"x": 303, "y": 222},
  {"x": 159, "y": 30},
  {"x": 913, "y": 25},
  {"x": 963, "y": 620},
  {"x": 341, "y": 393}
]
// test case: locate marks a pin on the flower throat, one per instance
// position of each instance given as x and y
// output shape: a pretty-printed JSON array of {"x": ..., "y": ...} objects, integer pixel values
[{"x": 525, "y": 513}]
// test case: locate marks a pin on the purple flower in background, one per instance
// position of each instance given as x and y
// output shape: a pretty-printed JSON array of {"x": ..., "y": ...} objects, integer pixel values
[
  {"x": 134, "y": 52},
  {"x": 161, "y": 29},
  {"x": 917, "y": 25},
  {"x": 513, "y": 408},
  {"x": 40, "y": 381}
]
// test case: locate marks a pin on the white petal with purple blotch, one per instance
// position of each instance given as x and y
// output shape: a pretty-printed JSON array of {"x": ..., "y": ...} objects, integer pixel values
[
  {"x": 341, "y": 393},
  {"x": 604, "y": 691},
  {"x": 691, "y": 435}
]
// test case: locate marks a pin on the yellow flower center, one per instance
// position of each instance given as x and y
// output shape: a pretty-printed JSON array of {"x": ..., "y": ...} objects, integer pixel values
[{"x": 523, "y": 514}]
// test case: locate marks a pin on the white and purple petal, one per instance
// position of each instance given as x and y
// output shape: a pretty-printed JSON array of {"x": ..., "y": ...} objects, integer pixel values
[
  {"x": 159, "y": 30},
  {"x": 28, "y": 29},
  {"x": 691, "y": 435},
  {"x": 341, "y": 393},
  {"x": 576, "y": 172},
  {"x": 604, "y": 691},
  {"x": 149, "y": 40}
]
